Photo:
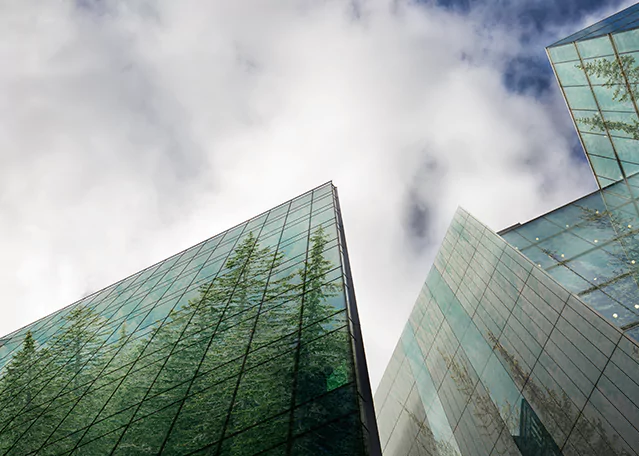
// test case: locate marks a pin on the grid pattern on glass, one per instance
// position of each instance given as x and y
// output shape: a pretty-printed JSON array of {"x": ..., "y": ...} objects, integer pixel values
[
  {"x": 239, "y": 345},
  {"x": 591, "y": 247},
  {"x": 497, "y": 358},
  {"x": 623, "y": 20},
  {"x": 599, "y": 78}
]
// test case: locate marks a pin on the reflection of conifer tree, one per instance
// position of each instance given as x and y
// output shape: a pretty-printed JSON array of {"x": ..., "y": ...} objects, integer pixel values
[
  {"x": 20, "y": 384},
  {"x": 620, "y": 252},
  {"x": 65, "y": 370},
  {"x": 322, "y": 359},
  {"x": 323, "y": 356},
  {"x": 174, "y": 388},
  {"x": 77, "y": 359},
  {"x": 196, "y": 354},
  {"x": 615, "y": 75}
]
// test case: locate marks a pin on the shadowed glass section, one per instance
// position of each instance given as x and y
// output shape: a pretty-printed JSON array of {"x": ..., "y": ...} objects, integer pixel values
[
  {"x": 239, "y": 345},
  {"x": 498, "y": 359}
]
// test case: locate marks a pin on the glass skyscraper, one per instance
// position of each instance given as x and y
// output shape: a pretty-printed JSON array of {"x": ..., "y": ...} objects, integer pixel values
[
  {"x": 498, "y": 358},
  {"x": 598, "y": 73},
  {"x": 526, "y": 342},
  {"x": 247, "y": 343}
]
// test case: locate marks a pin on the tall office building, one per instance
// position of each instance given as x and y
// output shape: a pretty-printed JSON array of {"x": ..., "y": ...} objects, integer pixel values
[
  {"x": 525, "y": 343},
  {"x": 247, "y": 343}
]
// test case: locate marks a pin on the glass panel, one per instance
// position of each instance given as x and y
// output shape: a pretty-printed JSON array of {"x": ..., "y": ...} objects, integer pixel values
[
  {"x": 627, "y": 41},
  {"x": 595, "y": 47},
  {"x": 627, "y": 149},
  {"x": 563, "y": 53},
  {"x": 570, "y": 74},
  {"x": 605, "y": 167},
  {"x": 580, "y": 98}
]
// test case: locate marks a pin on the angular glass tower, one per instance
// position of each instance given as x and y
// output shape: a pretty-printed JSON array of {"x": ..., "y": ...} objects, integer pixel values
[
  {"x": 598, "y": 73},
  {"x": 247, "y": 343},
  {"x": 497, "y": 358},
  {"x": 525, "y": 343}
]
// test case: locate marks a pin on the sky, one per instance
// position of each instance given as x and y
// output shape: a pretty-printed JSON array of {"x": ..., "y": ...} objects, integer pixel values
[{"x": 132, "y": 129}]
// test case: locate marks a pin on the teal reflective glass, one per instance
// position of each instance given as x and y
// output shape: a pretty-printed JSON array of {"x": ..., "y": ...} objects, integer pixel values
[
  {"x": 627, "y": 149},
  {"x": 580, "y": 98},
  {"x": 596, "y": 47},
  {"x": 598, "y": 78},
  {"x": 569, "y": 74},
  {"x": 563, "y": 53},
  {"x": 522, "y": 369},
  {"x": 627, "y": 41},
  {"x": 605, "y": 167},
  {"x": 614, "y": 98},
  {"x": 620, "y": 124}
]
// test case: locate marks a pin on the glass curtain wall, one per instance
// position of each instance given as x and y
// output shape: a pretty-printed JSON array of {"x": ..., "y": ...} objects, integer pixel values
[
  {"x": 243, "y": 344},
  {"x": 598, "y": 73},
  {"x": 498, "y": 359},
  {"x": 591, "y": 247}
]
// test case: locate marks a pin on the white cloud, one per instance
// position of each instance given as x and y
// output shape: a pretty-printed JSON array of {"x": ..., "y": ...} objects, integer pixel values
[{"x": 131, "y": 134}]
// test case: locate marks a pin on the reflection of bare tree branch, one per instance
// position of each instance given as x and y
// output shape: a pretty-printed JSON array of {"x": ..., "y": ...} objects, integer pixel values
[
  {"x": 622, "y": 79},
  {"x": 562, "y": 410},
  {"x": 428, "y": 443},
  {"x": 614, "y": 74},
  {"x": 518, "y": 373}
]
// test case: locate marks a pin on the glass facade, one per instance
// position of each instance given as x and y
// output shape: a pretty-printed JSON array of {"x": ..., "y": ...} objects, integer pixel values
[
  {"x": 247, "y": 343},
  {"x": 598, "y": 73},
  {"x": 498, "y": 359},
  {"x": 591, "y": 247}
]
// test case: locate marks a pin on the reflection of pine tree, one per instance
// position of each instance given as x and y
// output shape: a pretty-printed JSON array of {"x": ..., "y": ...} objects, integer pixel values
[
  {"x": 77, "y": 360},
  {"x": 614, "y": 73},
  {"x": 621, "y": 250},
  {"x": 322, "y": 360},
  {"x": 58, "y": 404},
  {"x": 20, "y": 384},
  {"x": 597, "y": 122},
  {"x": 180, "y": 380},
  {"x": 617, "y": 77},
  {"x": 194, "y": 356}
]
